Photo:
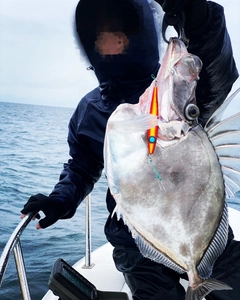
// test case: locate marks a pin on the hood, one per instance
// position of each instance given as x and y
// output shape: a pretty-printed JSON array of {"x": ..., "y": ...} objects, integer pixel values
[{"x": 135, "y": 19}]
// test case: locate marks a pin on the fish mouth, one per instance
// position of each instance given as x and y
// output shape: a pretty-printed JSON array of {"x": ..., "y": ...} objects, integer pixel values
[
  {"x": 171, "y": 96},
  {"x": 176, "y": 48},
  {"x": 177, "y": 80}
]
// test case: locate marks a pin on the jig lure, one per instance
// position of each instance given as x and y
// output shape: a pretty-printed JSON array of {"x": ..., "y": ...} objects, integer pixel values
[{"x": 152, "y": 133}]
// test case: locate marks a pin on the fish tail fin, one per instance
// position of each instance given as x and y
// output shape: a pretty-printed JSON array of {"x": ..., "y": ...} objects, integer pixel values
[{"x": 205, "y": 288}]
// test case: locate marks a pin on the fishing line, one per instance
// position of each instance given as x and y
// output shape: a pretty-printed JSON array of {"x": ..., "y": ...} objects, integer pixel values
[{"x": 158, "y": 176}]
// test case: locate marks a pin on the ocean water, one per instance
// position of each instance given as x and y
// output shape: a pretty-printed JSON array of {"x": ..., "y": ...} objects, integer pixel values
[{"x": 33, "y": 148}]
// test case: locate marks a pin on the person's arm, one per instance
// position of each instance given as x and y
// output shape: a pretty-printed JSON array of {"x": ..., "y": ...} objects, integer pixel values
[
  {"x": 205, "y": 27},
  {"x": 211, "y": 43},
  {"x": 82, "y": 171},
  {"x": 78, "y": 176}
]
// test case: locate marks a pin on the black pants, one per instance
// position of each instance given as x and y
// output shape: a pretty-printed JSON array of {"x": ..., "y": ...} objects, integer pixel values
[{"x": 152, "y": 281}]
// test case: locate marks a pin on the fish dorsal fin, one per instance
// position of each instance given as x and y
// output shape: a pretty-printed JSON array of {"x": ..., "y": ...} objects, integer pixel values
[
  {"x": 225, "y": 138},
  {"x": 216, "y": 117}
]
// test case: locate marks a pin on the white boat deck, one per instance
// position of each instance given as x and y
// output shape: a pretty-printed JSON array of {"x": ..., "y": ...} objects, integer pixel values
[{"x": 104, "y": 274}]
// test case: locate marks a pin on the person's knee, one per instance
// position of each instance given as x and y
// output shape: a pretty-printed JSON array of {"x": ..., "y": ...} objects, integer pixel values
[{"x": 126, "y": 258}]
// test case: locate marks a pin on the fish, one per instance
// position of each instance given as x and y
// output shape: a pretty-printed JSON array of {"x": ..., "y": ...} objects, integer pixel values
[{"x": 170, "y": 177}]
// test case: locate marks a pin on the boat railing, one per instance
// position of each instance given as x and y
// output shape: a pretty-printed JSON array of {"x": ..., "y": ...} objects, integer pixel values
[
  {"x": 88, "y": 250},
  {"x": 14, "y": 245}
]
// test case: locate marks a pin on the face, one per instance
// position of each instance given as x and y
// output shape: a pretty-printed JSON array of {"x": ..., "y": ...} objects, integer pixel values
[{"x": 111, "y": 43}]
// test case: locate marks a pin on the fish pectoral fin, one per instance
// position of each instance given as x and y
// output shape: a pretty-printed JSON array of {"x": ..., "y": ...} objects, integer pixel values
[
  {"x": 205, "y": 288},
  {"x": 138, "y": 123}
]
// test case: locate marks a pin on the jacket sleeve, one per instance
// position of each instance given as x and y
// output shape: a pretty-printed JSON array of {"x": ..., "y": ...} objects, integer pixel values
[
  {"x": 84, "y": 168},
  {"x": 212, "y": 44}
]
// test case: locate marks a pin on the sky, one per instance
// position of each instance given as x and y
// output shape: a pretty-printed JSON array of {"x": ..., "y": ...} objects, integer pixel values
[{"x": 40, "y": 62}]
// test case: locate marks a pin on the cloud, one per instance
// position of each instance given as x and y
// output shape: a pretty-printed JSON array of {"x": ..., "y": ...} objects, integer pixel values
[{"x": 39, "y": 60}]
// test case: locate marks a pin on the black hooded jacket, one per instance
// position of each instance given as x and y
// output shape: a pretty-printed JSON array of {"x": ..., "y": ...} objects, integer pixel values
[{"x": 123, "y": 78}]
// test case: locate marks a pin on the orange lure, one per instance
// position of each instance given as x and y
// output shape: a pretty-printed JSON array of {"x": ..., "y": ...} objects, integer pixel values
[{"x": 152, "y": 133}]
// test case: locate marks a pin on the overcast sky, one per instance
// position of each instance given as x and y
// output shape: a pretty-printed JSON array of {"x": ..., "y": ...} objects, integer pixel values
[{"x": 39, "y": 60}]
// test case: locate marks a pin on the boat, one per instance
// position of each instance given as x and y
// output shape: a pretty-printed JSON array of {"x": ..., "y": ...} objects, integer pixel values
[
  {"x": 105, "y": 277},
  {"x": 93, "y": 277}
]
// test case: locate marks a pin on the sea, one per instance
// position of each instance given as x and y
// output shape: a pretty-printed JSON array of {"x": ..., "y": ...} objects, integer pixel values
[{"x": 33, "y": 149}]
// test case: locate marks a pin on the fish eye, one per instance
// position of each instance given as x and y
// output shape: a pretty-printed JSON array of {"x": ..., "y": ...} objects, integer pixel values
[{"x": 191, "y": 112}]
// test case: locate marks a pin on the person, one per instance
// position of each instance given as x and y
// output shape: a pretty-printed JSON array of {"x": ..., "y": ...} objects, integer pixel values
[{"x": 120, "y": 40}]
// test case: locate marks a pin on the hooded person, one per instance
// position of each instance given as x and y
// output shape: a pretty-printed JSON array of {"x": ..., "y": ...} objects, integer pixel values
[
  {"x": 119, "y": 38},
  {"x": 124, "y": 70}
]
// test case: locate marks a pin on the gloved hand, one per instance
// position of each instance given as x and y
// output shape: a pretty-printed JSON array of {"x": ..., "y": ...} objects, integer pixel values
[
  {"x": 52, "y": 208},
  {"x": 196, "y": 11}
]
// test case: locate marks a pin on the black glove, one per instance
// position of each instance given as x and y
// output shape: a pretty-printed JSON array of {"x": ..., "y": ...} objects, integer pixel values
[
  {"x": 52, "y": 208},
  {"x": 196, "y": 11}
]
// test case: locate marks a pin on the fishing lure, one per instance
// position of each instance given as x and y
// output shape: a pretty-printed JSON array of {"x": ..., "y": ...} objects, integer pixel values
[{"x": 152, "y": 133}]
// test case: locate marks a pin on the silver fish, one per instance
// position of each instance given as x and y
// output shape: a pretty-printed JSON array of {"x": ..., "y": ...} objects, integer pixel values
[{"x": 173, "y": 198}]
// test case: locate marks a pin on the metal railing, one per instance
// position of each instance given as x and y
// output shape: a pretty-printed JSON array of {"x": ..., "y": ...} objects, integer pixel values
[
  {"x": 88, "y": 249},
  {"x": 14, "y": 245}
]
